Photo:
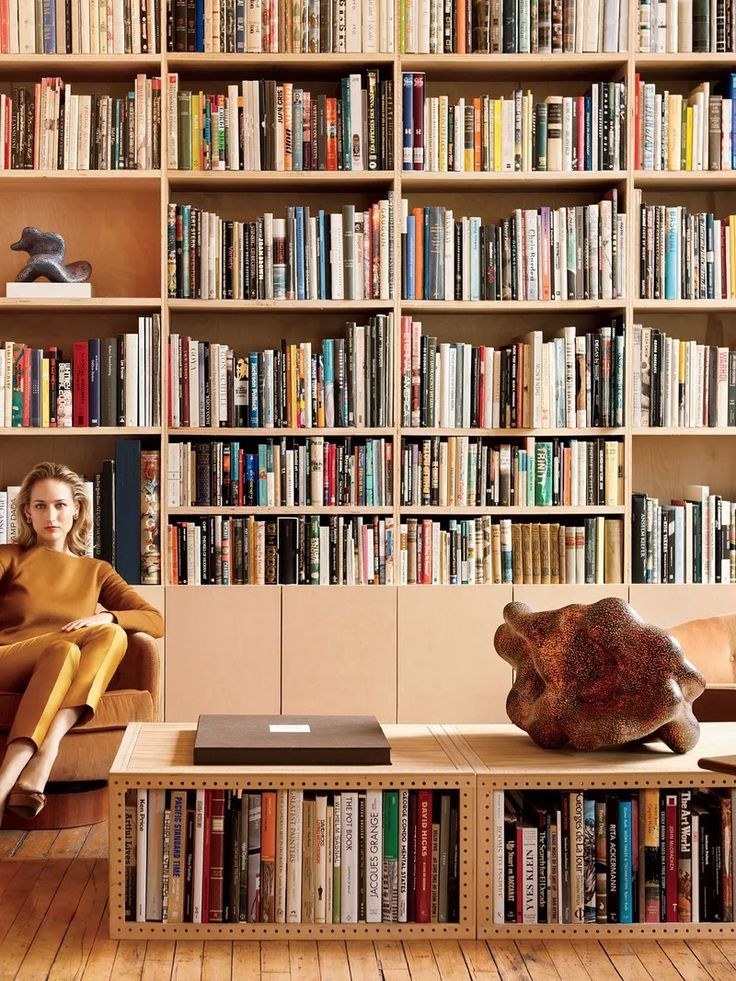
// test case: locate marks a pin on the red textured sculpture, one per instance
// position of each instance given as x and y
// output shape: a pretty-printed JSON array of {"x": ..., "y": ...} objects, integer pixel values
[{"x": 597, "y": 675}]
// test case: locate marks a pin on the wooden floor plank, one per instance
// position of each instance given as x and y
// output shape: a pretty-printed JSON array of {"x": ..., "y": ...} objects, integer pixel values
[
  {"x": 102, "y": 955},
  {"x": 304, "y": 960},
  {"x": 159, "y": 962},
  {"x": 712, "y": 958},
  {"x": 217, "y": 960},
  {"x": 275, "y": 957},
  {"x": 363, "y": 962},
  {"x": 566, "y": 961},
  {"x": 392, "y": 960},
  {"x": 590, "y": 955},
  {"x": 129, "y": 960},
  {"x": 21, "y": 883},
  {"x": 187, "y": 960},
  {"x": 246, "y": 960},
  {"x": 656, "y": 961},
  {"x": 684, "y": 960},
  {"x": 29, "y": 916},
  {"x": 9, "y": 842},
  {"x": 96, "y": 843},
  {"x": 450, "y": 960},
  {"x": 73, "y": 953},
  {"x": 420, "y": 958},
  {"x": 36, "y": 844},
  {"x": 42, "y": 951},
  {"x": 624, "y": 959},
  {"x": 509, "y": 962},
  {"x": 728, "y": 948},
  {"x": 538, "y": 961},
  {"x": 333, "y": 960},
  {"x": 478, "y": 960}
]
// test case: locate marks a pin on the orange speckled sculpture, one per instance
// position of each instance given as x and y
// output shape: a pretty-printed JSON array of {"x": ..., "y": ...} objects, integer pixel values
[{"x": 589, "y": 676}]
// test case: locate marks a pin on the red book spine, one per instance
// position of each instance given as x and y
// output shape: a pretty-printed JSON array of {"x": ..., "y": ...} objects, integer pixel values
[
  {"x": 670, "y": 844},
  {"x": 80, "y": 383},
  {"x": 637, "y": 122},
  {"x": 217, "y": 856},
  {"x": 331, "y": 119},
  {"x": 519, "y": 855},
  {"x": 581, "y": 132},
  {"x": 206, "y": 849},
  {"x": 424, "y": 856},
  {"x": 26, "y": 386},
  {"x": 427, "y": 552},
  {"x": 53, "y": 383}
]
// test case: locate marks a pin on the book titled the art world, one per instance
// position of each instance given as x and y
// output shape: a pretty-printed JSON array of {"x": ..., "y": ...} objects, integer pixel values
[{"x": 291, "y": 740}]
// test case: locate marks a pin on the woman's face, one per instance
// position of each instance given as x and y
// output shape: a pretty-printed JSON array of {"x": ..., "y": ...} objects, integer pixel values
[{"x": 52, "y": 512}]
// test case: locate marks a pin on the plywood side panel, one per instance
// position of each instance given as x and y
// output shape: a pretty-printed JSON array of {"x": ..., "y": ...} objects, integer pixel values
[
  {"x": 552, "y": 597},
  {"x": 339, "y": 650},
  {"x": 448, "y": 669},
  {"x": 222, "y": 650}
]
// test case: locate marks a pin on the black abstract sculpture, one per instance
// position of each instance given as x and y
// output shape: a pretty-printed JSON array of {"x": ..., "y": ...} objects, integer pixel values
[{"x": 46, "y": 251}]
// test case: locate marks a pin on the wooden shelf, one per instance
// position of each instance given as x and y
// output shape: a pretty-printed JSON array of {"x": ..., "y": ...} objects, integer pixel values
[
  {"x": 119, "y": 431},
  {"x": 474, "y": 66},
  {"x": 691, "y": 431},
  {"x": 422, "y": 757},
  {"x": 560, "y": 433},
  {"x": 195, "y": 63},
  {"x": 685, "y": 306},
  {"x": 705, "y": 180},
  {"x": 258, "y": 510},
  {"x": 275, "y": 306},
  {"x": 686, "y": 64},
  {"x": 512, "y": 306},
  {"x": 17, "y": 66},
  {"x": 507, "y": 180},
  {"x": 243, "y": 432},
  {"x": 19, "y": 180},
  {"x": 95, "y": 303},
  {"x": 513, "y": 511},
  {"x": 227, "y": 179}
]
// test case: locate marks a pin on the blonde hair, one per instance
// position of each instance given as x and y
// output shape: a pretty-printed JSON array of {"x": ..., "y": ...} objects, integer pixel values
[{"x": 77, "y": 538}]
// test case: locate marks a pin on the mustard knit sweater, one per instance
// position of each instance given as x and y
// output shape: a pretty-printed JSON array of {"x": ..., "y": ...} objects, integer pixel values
[{"x": 41, "y": 591}]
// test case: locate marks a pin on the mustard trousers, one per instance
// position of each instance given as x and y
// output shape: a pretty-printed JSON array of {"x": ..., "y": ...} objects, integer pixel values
[{"x": 59, "y": 670}]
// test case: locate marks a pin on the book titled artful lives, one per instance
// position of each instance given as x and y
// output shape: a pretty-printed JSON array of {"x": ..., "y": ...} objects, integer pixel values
[{"x": 291, "y": 740}]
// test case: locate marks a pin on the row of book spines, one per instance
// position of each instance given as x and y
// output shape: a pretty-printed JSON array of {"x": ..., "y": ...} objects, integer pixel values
[
  {"x": 331, "y": 474},
  {"x": 519, "y": 26},
  {"x": 292, "y": 856},
  {"x": 584, "y": 380},
  {"x": 346, "y": 384},
  {"x": 296, "y": 550},
  {"x": 297, "y": 257},
  {"x": 548, "y": 254},
  {"x": 461, "y": 472},
  {"x": 682, "y": 382},
  {"x": 111, "y": 27},
  {"x": 280, "y": 26},
  {"x": 697, "y": 26},
  {"x": 285, "y": 128},
  {"x": 646, "y": 856},
  {"x": 564, "y": 133},
  {"x": 108, "y": 382}
]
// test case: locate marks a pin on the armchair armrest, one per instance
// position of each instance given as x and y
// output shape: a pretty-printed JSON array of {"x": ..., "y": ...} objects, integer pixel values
[
  {"x": 140, "y": 669},
  {"x": 716, "y": 704}
]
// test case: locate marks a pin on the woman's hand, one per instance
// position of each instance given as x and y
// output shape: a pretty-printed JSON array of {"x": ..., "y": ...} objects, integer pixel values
[{"x": 93, "y": 621}]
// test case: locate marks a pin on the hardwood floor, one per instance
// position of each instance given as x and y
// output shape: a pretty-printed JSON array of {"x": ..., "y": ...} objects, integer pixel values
[{"x": 53, "y": 924}]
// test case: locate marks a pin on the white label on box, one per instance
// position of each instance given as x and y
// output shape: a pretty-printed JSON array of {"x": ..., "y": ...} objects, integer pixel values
[{"x": 295, "y": 727}]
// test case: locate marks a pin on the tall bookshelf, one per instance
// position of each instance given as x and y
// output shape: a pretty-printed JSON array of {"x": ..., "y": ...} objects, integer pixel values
[{"x": 404, "y": 652}]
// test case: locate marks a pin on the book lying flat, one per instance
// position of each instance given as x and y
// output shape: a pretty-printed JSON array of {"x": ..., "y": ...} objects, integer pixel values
[
  {"x": 721, "y": 764},
  {"x": 291, "y": 740},
  {"x": 45, "y": 291}
]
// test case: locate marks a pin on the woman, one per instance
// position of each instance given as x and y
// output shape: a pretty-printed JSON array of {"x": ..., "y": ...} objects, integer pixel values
[{"x": 54, "y": 647}]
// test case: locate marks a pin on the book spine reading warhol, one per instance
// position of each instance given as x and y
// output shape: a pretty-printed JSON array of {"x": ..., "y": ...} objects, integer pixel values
[
  {"x": 224, "y": 860},
  {"x": 280, "y": 26},
  {"x": 343, "y": 255},
  {"x": 567, "y": 253},
  {"x": 635, "y": 856},
  {"x": 66, "y": 27},
  {"x": 343, "y": 381},
  {"x": 512, "y": 26},
  {"x": 515, "y": 133},
  {"x": 262, "y": 124}
]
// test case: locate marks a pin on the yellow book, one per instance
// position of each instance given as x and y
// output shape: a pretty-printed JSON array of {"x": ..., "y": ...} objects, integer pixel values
[
  {"x": 689, "y": 138},
  {"x": 293, "y": 382},
  {"x": 45, "y": 393}
]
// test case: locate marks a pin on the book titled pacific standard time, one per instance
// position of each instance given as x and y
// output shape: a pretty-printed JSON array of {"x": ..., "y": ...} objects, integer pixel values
[{"x": 288, "y": 740}]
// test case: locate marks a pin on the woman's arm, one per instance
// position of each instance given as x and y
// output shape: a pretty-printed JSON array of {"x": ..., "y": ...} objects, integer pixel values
[{"x": 129, "y": 609}]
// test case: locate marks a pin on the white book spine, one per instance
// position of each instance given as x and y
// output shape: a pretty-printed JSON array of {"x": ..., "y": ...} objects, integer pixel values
[
  {"x": 349, "y": 858},
  {"x": 198, "y": 857},
  {"x": 373, "y": 855}
]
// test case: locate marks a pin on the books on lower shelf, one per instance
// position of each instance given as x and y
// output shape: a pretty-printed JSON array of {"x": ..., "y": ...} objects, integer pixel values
[
  {"x": 613, "y": 857},
  {"x": 124, "y": 502},
  {"x": 685, "y": 132},
  {"x": 680, "y": 383},
  {"x": 690, "y": 540},
  {"x": 342, "y": 381},
  {"x": 515, "y": 133},
  {"x": 109, "y": 381},
  {"x": 684, "y": 255},
  {"x": 477, "y": 551},
  {"x": 302, "y": 550},
  {"x": 462, "y": 471},
  {"x": 518, "y": 26},
  {"x": 280, "y": 26},
  {"x": 567, "y": 253},
  {"x": 288, "y": 472},
  {"x": 292, "y": 856},
  {"x": 48, "y": 127},
  {"x": 344, "y": 255},
  {"x": 267, "y": 125},
  {"x": 64, "y": 27},
  {"x": 572, "y": 380},
  {"x": 687, "y": 26}
]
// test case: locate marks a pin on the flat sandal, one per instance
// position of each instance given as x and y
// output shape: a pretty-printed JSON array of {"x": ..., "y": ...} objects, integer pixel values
[{"x": 26, "y": 803}]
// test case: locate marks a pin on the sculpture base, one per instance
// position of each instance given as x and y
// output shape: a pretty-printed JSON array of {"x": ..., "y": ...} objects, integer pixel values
[{"x": 48, "y": 291}]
